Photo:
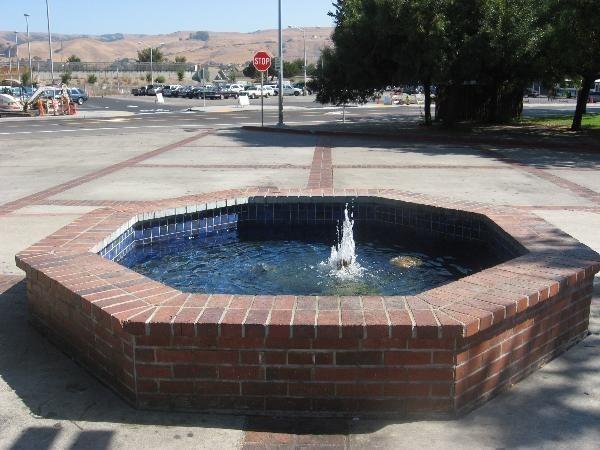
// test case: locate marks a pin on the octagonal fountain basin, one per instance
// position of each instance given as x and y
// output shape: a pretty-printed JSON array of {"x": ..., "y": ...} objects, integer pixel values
[
  {"x": 329, "y": 257},
  {"x": 372, "y": 304}
]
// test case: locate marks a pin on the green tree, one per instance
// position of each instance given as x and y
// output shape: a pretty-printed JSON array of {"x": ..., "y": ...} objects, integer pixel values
[
  {"x": 575, "y": 41},
  {"x": 180, "y": 59},
  {"x": 250, "y": 71},
  {"x": 26, "y": 78},
  {"x": 494, "y": 51},
  {"x": 65, "y": 78},
  {"x": 397, "y": 40},
  {"x": 92, "y": 79},
  {"x": 160, "y": 79},
  {"x": 200, "y": 36},
  {"x": 144, "y": 55},
  {"x": 148, "y": 77},
  {"x": 73, "y": 59},
  {"x": 180, "y": 75},
  {"x": 490, "y": 47},
  {"x": 291, "y": 68}
]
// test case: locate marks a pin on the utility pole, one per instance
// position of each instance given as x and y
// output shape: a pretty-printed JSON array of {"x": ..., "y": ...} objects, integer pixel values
[
  {"x": 280, "y": 123},
  {"x": 17, "y": 54},
  {"x": 305, "y": 62},
  {"x": 29, "y": 50},
  {"x": 50, "y": 41}
]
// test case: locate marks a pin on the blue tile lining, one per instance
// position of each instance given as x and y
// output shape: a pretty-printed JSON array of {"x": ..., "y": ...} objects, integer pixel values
[{"x": 422, "y": 219}]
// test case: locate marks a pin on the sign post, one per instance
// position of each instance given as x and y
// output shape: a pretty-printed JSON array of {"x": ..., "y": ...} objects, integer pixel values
[{"x": 262, "y": 62}]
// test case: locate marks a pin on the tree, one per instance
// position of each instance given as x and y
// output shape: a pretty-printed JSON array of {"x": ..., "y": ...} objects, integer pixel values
[
  {"x": 26, "y": 78},
  {"x": 148, "y": 77},
  {"x": 144, "y": 55},
  {"x": 480, "y": 52},
  {"x": 65, "y": 78},
  {"x": 250, "y": 71},
  {"x": 494, "y": 49},
  {"x": 396, "y": 40},
  {"x": 180, "y": 75},
  {"x": 200, "y": 36},
  {"x": 575, "y": 38},
  {"x": 291, "y": 68},
  {"x": 92, "y": 79},
  {"x": 73, "y": 59},
  {"x": 160, "y": 79},
  {"x": 180, "y": 59}
]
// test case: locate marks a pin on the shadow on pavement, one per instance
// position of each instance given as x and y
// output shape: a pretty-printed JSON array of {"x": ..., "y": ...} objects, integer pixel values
[{"x": 540, "y": 158}]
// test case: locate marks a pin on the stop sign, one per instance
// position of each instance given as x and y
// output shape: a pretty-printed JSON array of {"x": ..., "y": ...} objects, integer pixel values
[{"x": 262, "y": 61}]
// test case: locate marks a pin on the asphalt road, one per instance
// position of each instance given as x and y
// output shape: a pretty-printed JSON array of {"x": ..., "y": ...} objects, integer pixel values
[{"x": 129, "y": 114}]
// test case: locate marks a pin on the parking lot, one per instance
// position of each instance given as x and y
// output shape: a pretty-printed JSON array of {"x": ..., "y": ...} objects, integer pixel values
[{"x": 123, "y": 149}]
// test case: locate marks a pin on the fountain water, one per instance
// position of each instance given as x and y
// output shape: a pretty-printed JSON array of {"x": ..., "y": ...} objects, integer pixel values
[{"x": 343, "y": 255}]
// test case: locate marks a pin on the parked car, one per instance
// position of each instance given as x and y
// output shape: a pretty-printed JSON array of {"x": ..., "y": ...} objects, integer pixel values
[
  {"x": 186, "y": 92},
  {"x": 594, "y": 97},
  {"x": 287, "y": 90},
  {"x": 226, "y": 92},
  {"x": 8, "y": 103},
  {"x": 254, "y": 91},
  {"x": 268, "y": 91},
  {"x": 177, "y": 92},
  {"x": 300, "y": 85},
  {"x": 78, "y": 95},
  {"x": 531, "y": 93},
  {"x": 139, "y": 91},
  {"x": 208, "y": 93},
  {"x": 169, "y": 88},
  {"x": 153, "y": 89},
  {"x": 237, "y": 88}
]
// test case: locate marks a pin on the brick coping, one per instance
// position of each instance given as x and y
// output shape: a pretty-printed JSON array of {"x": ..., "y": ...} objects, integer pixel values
[{"x": 142, "y": 307}]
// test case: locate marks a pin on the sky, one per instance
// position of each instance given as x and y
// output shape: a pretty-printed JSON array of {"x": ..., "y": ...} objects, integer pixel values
[{"x": 159, "y": 16}]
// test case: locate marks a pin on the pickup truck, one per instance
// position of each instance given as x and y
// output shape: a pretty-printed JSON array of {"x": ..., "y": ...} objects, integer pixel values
[
  {"x": 288, "y": 90},
  {"x": 253, "y": 91}
]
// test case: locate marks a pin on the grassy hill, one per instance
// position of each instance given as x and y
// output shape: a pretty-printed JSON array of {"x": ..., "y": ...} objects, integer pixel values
[{"x": 200, "y": 47}]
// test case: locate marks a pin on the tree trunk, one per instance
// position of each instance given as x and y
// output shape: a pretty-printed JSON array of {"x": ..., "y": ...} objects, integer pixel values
[
  {"x": 582, "y": 99},
  {"x": 427, "y": 86}
]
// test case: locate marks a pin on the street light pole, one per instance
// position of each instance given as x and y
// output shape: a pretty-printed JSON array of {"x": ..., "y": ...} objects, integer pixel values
[
  {"x": 50, "y": 41},
  {"x": 305, "y": 62},
  {"x": 151, "y": 69},
  {"x": 17, "y": 54},
  {"x": 29, "y": 50},
  {"x": 280, "y": 123}
]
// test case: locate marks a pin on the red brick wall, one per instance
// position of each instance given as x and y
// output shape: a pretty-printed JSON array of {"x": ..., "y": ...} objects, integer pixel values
[
  {"x": 215, "y": 368},
  {"x": 84, "y": 331},
  {"x": 310, "y": 374},
  {"x": 500, "y": 356}
]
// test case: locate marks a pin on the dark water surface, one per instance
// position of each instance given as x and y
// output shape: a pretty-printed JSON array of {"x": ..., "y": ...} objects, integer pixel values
[{"x": 255, "y": 260}]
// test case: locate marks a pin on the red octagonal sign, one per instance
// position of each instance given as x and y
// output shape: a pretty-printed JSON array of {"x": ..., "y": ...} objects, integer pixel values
[{"x": 262, "y": 61}]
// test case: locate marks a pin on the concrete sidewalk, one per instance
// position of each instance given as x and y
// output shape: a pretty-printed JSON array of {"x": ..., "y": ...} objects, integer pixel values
[{"x": 50, "y": 402}]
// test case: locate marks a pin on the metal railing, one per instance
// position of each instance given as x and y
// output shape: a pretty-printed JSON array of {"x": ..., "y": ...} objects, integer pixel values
[{"x": 121, "y": 66}]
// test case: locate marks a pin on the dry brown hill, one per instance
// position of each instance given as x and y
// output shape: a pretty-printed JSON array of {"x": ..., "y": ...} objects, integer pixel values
[{"x": 220, "y": 48}]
